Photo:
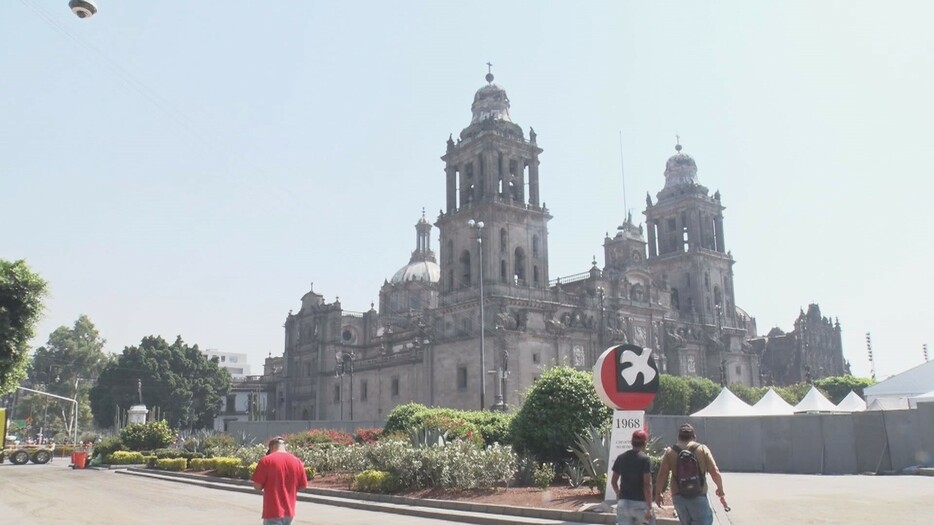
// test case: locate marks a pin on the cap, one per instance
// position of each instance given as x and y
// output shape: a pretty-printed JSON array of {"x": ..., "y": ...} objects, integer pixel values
[
  {"x": 685, "y": 428},
  {"x": 640, "y": 436},
  {"x": 276, "y": 441}
]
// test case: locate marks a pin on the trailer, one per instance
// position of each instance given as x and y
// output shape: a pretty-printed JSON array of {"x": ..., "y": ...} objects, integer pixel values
[{"x": 22, "y": 454}]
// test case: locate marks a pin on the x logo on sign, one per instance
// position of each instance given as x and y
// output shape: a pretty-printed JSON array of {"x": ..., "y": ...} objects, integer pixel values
[{"x": 640, "y": 365}]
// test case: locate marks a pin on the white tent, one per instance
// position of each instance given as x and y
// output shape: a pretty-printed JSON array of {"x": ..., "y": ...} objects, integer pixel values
[
  {"x": 814, "y": 401},
  {"x": 726, "y": 405},
  {"x": 923, "y": 398},
  {"x": 851, "y": 403},
  {"x": 772, "y": 404},
  {"x": 910, "y": 383},
  {"x": 888, "y": 403}
]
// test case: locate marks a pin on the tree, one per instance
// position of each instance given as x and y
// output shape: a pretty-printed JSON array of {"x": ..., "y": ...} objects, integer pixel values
[
  {"x": 186, "y": 386},
  {"x": 21, "y": 294},
  {"x": 68, "y": 365},
  {"x": 703, "y": 391},
  {"x": 558, "y": 407},
  {"x": 838, "y": 387},
  {"x": 673, "y": 397}
]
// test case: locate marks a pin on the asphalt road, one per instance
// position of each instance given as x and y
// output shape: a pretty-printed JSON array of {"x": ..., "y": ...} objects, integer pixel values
[
  {"x": 55, "y": 494},
  {"x": 781, "y": 499}
]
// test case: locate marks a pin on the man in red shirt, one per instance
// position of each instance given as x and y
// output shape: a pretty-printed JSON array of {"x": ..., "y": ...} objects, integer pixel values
[{"x": 279, "y": 476}]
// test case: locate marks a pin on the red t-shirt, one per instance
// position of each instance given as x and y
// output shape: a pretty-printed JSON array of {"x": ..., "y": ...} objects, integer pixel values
[{"x": 282, "y": 475}]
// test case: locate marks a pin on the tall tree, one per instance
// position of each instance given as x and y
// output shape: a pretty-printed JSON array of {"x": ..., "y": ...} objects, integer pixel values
[
  {"x": 21, "y": 294},
  {"x": 68, "y": 366},
  {"x": 187, "y": 387}
]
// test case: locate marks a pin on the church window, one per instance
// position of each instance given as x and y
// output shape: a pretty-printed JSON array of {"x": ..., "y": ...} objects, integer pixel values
[
  {"x": 675, "y": 300},
  {"x": 672, "y": 226},
  {"x": 687, "y": 279},
  {"x": 462, "y": 378},
  {"x": 364, "y": 391},
  {"x": 535, "y": 246},
  {"x": 502, "y": 239},
  {"x": 502, "y": 271},
  {"x": 706, "y": 280},
  {"x": 717, "y": 296},
  {"x": 520, "y": 266},
  {"x": 465, "y": 268},
  {"x": 337, "y": 393},
  {"x": 450, "y": 279},
  {"x": 394, "y": 387},
  {"x": 536, "y": 358},
  {"x": 739, "y": 370},
  {"x": 450, "y": 253},
  {"x": 535, "y": 278}
]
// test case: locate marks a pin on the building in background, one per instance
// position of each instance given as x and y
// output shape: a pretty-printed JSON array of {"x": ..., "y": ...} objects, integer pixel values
[
  {"x": 813, "y": 350},
  {"x": 235, "y": 363},
  {"x": 666, "y": 285}
]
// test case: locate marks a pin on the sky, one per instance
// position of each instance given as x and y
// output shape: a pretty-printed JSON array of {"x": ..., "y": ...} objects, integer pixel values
[{"x": 189, "y": 168}]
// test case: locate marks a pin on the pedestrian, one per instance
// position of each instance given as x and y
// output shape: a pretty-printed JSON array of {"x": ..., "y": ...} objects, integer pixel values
[
  {"x": 279, "y": 476},
  {"x": 632, "y": 481},
  {"x": 689, "y": 462}
]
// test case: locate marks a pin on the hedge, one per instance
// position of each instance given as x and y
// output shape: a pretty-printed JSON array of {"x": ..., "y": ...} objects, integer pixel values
[
  {"x": 173, "y": 464},
  {"x": 123, "y": 457}
]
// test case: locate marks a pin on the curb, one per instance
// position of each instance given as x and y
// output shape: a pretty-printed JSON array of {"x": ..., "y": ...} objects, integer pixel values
[{"x": 477, "y": 513}]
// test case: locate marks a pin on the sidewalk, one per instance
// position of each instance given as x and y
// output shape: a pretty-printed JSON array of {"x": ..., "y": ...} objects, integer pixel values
[{"x": 464, "y": 512}]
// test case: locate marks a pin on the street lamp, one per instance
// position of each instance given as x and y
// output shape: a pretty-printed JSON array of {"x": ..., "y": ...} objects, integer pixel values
[
  {"x": 478, "y": 226},
  {"x": 345, "y": 365}
]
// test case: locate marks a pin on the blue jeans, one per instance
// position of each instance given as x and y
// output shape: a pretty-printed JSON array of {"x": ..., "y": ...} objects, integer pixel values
[
  {"x": 631, "y": 512},
  {"x": 279, "y": 521},
  {"x": 693, "y": 511}
]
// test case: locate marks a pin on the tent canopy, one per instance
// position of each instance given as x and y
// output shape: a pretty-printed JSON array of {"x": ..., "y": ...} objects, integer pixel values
[
  {"x": 913, "y": 382},
  {"x": 726, "y": 405},
  {"x": 851, "y": 403},
  {"x": 814, "y": 401},
  {"x": 772, "y": 404},
  {"x": 923, "y": 398}
]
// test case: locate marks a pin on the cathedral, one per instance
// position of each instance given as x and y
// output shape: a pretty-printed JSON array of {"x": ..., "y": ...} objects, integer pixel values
[{"x": 475, "y": 325}]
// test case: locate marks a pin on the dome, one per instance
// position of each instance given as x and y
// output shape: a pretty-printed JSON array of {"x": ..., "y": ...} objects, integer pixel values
[
  {"x": 490, "y": 102},
  {"x": 427, "y": 271},
  {"x": 680, "y": 169}
]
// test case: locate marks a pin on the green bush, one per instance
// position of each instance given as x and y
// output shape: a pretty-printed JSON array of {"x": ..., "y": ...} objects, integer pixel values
[
  {"x": 217, "y": 441},
  {"x": 404, "y": 418},
  {"x": 838, "y": 387},
  {"x": 375, "y": 481},
  {"x": 172, "y": 464},
  {"x": 200, "y": 464},
  {"x": 793, "y": 394},
  {"x": 147, "y": 436},
  {"x": 227, "y": 467},
  {"x": 318, "y": 436},
  {"x": 457, "y": 465},
  {"x": 123, "y": 457},
  {"x": 246, "y": 471},
  {"x": 749, "y": 394},
  {"x": 558, "y": 407},
  {"x": 108, "y": 446},
  {"x": 175, "y": 453},
  {"x": 543, "y": 476},
  {"x": 329, "y": 457},
  {"x": 702, "y": 392},
  {"x": 493, "y": 427}
]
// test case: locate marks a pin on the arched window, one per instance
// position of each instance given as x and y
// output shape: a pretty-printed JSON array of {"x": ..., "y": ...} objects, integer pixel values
[
  {"x": 450, "y": 253},
  {"x": 675, "y": 299},
  {"x": 465, "y": 268},
  {"x": 717, "y": 296},
  {"x": 502, "y": 239},
  {"x": 519, "y": 262},
  {"x": 502, "y": 271},
  {"x": 535, "y": 246},
  {"x": 535, "y": 277}
]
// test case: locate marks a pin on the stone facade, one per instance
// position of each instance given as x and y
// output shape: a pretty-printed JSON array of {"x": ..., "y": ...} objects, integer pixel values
[
  {"x": 812, "y": 350},
  {"x": 673, "y": 293}
]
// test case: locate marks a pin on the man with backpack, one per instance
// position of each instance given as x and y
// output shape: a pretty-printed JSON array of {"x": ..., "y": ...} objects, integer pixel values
[{"x": 689, "y": 462}]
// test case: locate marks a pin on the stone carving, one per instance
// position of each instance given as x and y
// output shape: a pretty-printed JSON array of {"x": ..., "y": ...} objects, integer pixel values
[
  {"x": 506, "y": 321},
  {"x": 578, "y": 356},
  {"x": 674, "y": 337},
  {"x": 640, "y": 335}
]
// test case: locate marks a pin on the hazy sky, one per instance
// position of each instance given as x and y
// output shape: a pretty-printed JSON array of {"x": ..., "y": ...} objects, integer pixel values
[{"x": 179, "y": 167}]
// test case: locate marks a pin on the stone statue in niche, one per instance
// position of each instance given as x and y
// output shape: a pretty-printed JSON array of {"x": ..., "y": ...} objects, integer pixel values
[
  {"x": 691, "y": 365},
  {"x": 522, "y": 319},
  {"x": 578, "y": 356},
  {"x": 637, "y": 294},
  {"x": 640, "y": 335}
]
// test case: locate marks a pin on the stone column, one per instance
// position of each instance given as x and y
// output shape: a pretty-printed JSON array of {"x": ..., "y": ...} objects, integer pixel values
[
  {"x": 451, "y": 175},
  {"x": 653, "y": 249},
  {"x": 718, "y": 227},
  {"x": 533, "y": 181}
]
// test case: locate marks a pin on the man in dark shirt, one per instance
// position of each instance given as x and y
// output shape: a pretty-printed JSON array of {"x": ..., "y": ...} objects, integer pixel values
[{"x": 632, "y": 481}]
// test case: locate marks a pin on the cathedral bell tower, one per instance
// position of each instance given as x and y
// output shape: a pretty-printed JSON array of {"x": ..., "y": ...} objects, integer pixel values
[
  {"x": 686, "y": 246},
  {"x": 492, "y": 176}
]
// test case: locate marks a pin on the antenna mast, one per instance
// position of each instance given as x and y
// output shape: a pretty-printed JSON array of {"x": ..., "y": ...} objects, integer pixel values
[{"x": 872, "y": 362}]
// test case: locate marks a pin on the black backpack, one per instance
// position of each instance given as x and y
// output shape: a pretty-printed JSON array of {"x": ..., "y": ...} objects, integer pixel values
[{"x": 688, "y": 475}]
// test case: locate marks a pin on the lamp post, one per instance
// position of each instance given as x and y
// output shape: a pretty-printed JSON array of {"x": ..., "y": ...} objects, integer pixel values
[
  {"x": 478, "y": 226},
  {"x": 345, "y": 366}
]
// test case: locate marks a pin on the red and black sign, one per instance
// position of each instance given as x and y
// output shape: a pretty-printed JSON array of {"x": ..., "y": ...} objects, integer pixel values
[{"x": 626, "y": 377}]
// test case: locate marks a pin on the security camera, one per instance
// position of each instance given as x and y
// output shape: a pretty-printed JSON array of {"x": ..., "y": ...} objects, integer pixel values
[{"x": 83, "y": 8}]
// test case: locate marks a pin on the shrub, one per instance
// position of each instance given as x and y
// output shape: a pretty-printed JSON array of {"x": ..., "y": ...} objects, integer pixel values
[
  {"x": 216, "y": 441},
  {"x": 200, "y": 464},
  {"x": 108, "y": 446},
  {"x": 329, "y": 457},
  {"x": 543, "y": 476},
  {"x": 123, "y": 457},
  {"x": 318, "y": 436},
  {"x": 310, "y": 473},
  {"x": 227, "y": 467},
  {"x": 673, "y": 397},
  {"x": 702, "y": 392},
  {"x": 367, "y": 435},
  {"x": 173, "y": 464},
  {"x": 404, "y": 418},
  {"x": 838, "y": 387},
  {"x": 375, "y": 481},
  {"x": 558, "y": 407},
  {"x": 246, "y": 471},
  {"x": 749, "y": 394},
  {"x": 458, "y": 465},
  {"x": 249, "y": 455},
  {"x": 174, "y": 453},
  {"x": 452, "y": 426},
  {"x": 147, "y": 436}
]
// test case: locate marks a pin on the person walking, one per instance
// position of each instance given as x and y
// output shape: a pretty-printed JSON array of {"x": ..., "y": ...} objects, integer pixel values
[
  {"x": 632, "y": 481},
  {"x": 689, "y": 462},
  {"x": 279, "y": 476}
]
